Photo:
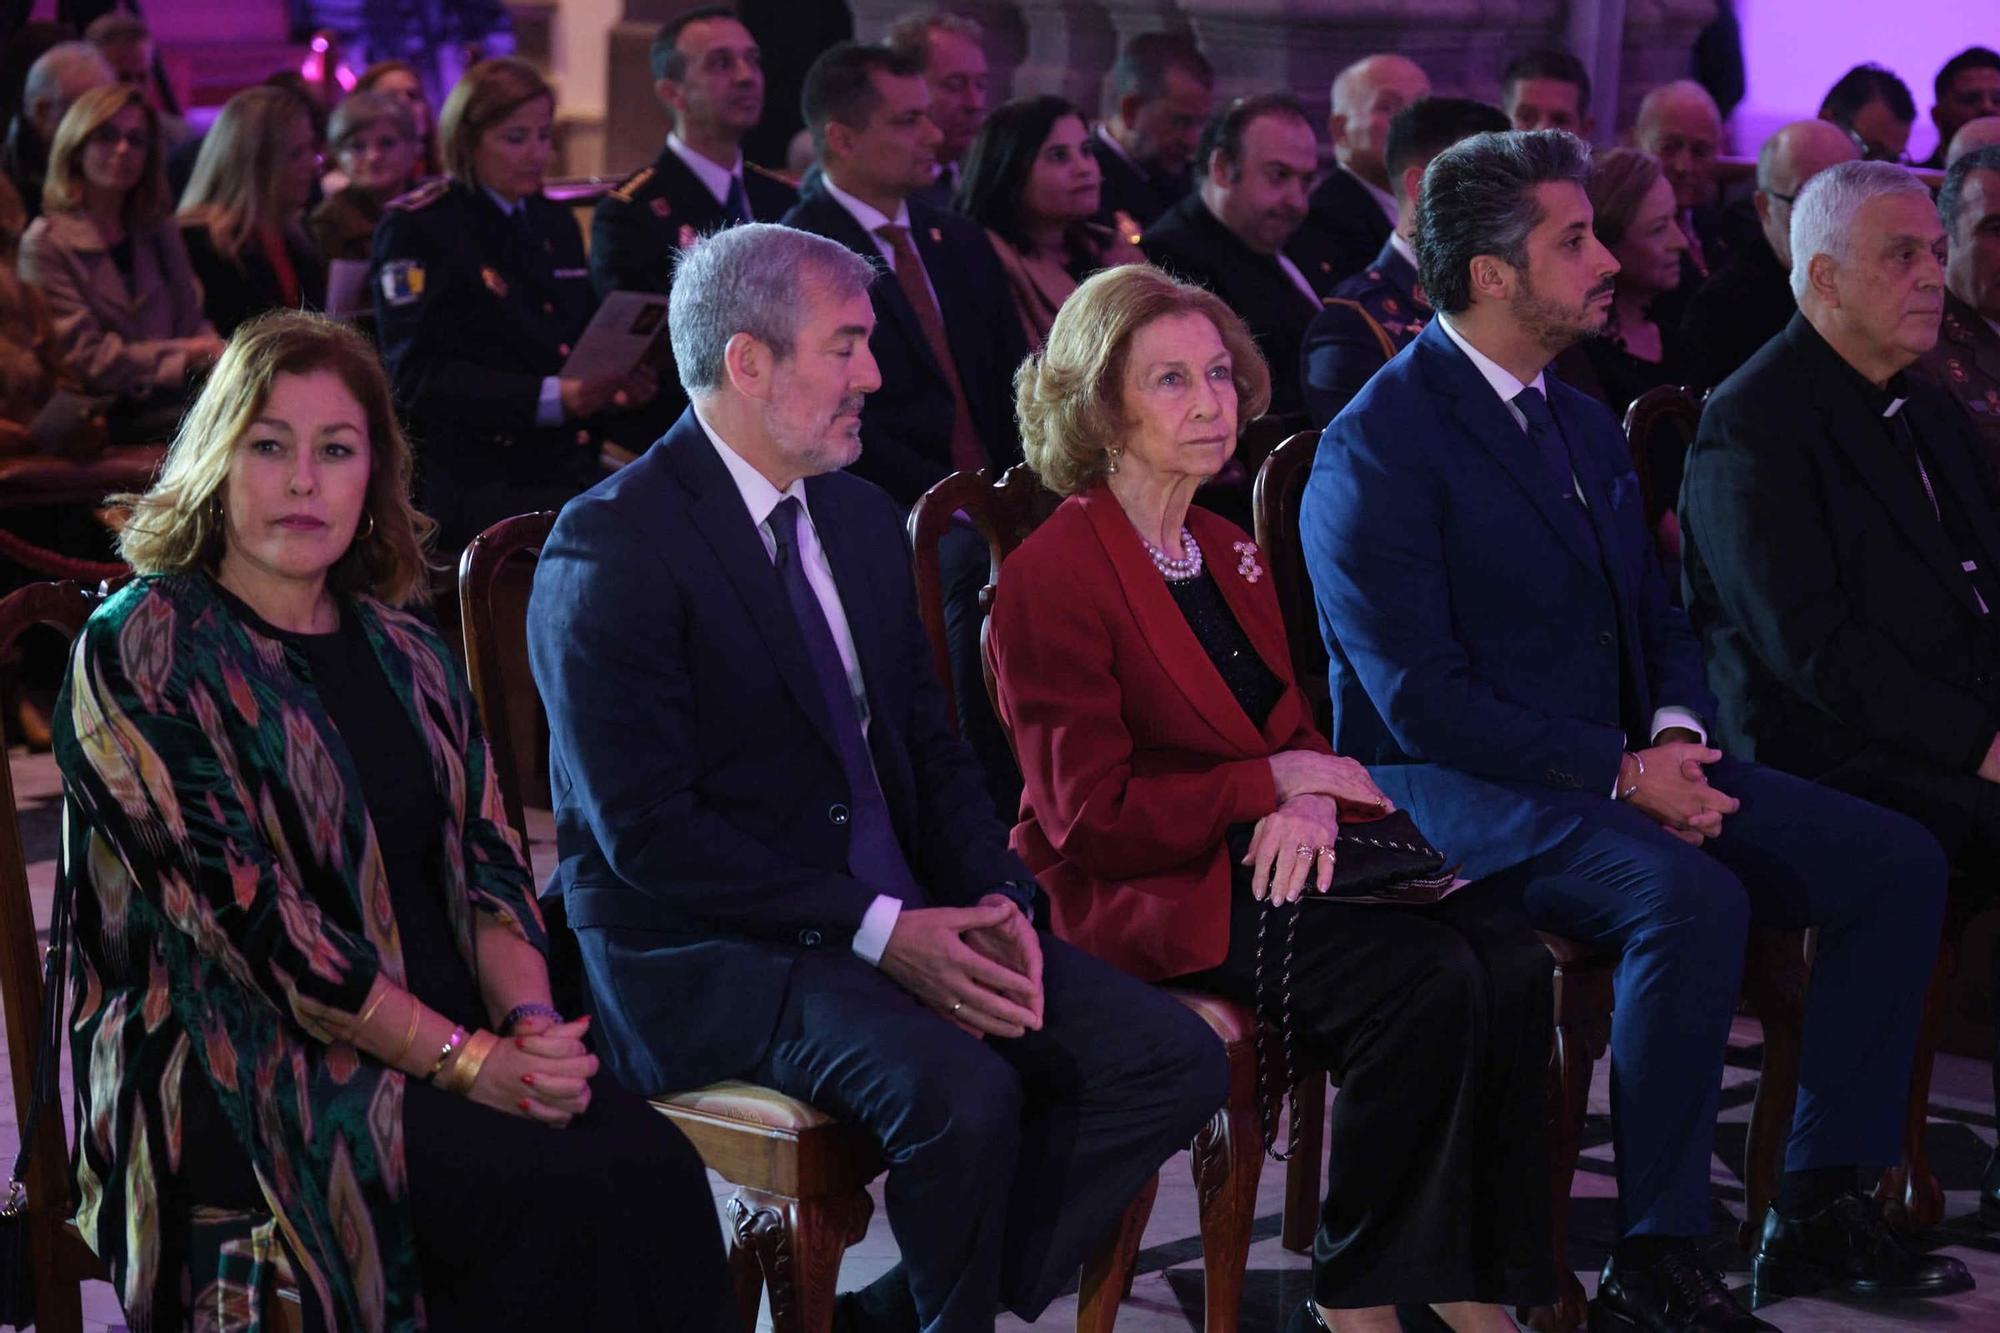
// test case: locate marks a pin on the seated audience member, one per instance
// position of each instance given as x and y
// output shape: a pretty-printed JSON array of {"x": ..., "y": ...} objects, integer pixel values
[
  {"x": 243, "y": 214},
  {"x": 1965, "y": 362},
  {"x": 399, "y": 79},
  {"x": 1506, "y": 661},
  {"x": 1972, "y": 135},
  {"x": 948, "y": 49},
  {"x": 709, "y": 74},
  {"x": 480, "y": 291},
  {"x": 1380, "y": 310},
  {"x": 1678, "y": 123},
  {"x": 1354, "y": 208},
  {"x": 947, "y": 362},
  {"x": 283, "y": 847},
  {"x": 780, "y": 864},
  {"x": 1162, "y": 91},
  {"x": 1748, "y": 301},
  {"x": 1633, "y": 216},
  {"x": 1179, "y": 796},
  {"x": 32, "y": 370},
  {"x": 58, "y": 77},
  {"x": 1240, "y": 234},
  {"x": 1543, "y": 90},
  {"x": 1875, "y": 109},
  {"x": 108, "y": 260},
  {"x": 126, "y": 44},
  {"x": 374, "y": 140},
  {"x": 1842, "y": 555},
  {"x": 1032, "y": 181},
  {"x": 1967, "y": 87}
]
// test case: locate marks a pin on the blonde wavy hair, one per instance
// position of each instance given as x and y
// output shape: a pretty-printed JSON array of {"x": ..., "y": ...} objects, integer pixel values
[
  {"x": 62, "y": 187},
  {"x": 1069, "y": 396},
  {"x": 178, "y": 527},
  {"x": 234, "y": 190}
]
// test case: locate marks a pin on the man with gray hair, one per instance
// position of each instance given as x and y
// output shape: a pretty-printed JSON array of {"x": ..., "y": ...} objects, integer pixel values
[
  {"x": 1842, "y": 566},
  {"x": 1505, "y": 657},
  {"x": 1680, "y": 124},
  {"x": 1748, "y": 301},
  {"x": 1354, "y": 209},
  {"x": 949, "y": 48},
  {"x": 58, "y": 77},
  {"x": 780, "y": 864}
]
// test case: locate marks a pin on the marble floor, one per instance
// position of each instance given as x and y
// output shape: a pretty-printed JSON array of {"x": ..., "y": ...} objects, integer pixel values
[{"x": 1167, "y": 1293}]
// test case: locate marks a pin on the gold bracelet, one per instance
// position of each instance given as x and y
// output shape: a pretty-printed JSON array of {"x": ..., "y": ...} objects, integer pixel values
[
  {"x": 373, "y": 1005},
  {"x": 409, "y": 1034},
  {"x": 464, "y": 1071},
  {"x": 451, "y": 1044}
]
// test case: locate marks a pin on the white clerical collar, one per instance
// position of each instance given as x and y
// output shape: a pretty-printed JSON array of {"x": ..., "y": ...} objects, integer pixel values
[
  {"x": 1502, "y": 379},
  {"x": 1383, "y": 198},
  {"x": 1402, "y": 247},
  {"x": 760, "y": 497},
  {"x": 871, "y": 218},
  {"x": 716, "y": 180}
]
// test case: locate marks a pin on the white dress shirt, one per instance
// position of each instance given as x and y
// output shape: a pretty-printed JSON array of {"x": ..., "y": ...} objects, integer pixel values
[
  {"x": 1507, "y": 385},
  {"x": 760, "y": 497},
  {"x": 1299, "y": 279},
  {"x": 868, "y": 218},
  {"x": 716, "y": 180},
  {"x": 1402, "y": 247}
]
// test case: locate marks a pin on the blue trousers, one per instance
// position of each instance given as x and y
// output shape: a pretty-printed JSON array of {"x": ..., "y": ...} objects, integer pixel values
[
  {"x": 1796, "y": 854},
  {"x": 1008, "y": 1159}
]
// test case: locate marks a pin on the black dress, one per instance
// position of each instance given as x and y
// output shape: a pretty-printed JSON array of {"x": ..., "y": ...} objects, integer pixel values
[
  {"x": 608, "y": 1224},
  {"x": 1436, "y": 1024}
]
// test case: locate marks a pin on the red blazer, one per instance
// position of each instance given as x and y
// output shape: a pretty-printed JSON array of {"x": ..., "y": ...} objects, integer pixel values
[{"x": 1136, "y": 756}]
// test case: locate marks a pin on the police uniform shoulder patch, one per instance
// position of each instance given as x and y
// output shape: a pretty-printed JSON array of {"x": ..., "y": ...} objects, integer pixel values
[
  {"x": 402, "y": 282},
  {"x": 423, "y": 196},
  {"x": 629, "y": 188}
]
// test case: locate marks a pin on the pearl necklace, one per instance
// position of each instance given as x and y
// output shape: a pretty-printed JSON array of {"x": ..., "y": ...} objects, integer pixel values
[{"x": 1177, "y": 571}]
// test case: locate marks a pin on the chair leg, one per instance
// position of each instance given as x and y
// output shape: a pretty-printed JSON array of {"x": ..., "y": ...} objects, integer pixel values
[
  {"x": 1910, "y": 1192},
  {"x": 1107, "y": 1274},
  {"x": 58, "y": 1301},
  {"x": 1302, "y": 1172},
  {"x": 1570, "y": 1059},
  {"x": 1775, "y": 980},
  {"x": 1227, "y": 1158},
  {"x": 797, "y": 1244}
]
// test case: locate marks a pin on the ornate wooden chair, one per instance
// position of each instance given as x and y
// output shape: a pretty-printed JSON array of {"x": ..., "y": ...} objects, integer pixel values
[
  {"x": 1659, "y": 426},
  {"x": 63, "y": 1262},
  {"x": 801, "y": 1176},
  {"x": 34, "y": 481},
  {"x": 1227, "y": 1156}
]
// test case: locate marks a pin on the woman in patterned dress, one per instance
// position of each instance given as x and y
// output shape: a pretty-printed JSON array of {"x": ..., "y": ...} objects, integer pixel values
[{"x": 313, "y": 1031}]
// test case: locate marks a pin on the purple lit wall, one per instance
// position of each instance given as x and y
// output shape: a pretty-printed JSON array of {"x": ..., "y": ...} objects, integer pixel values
[{"x": 1795, "y": 49}]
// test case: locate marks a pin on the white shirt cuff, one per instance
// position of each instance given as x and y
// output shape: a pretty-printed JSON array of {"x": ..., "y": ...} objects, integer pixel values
[
  {"x": 877, "y": 924},
  {"x": 548, "y": 406},
  {"x": 1663, "y": 718}
]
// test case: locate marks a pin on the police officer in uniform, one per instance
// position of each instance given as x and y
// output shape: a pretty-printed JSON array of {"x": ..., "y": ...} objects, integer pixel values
[
  {"x": 481, "y": 289},
  {"x": 709, "y": 75}
]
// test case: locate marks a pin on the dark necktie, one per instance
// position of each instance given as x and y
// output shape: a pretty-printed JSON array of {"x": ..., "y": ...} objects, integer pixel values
[
  {"x": 873, "y": 855},
  {"x": 1547, "y": 437},
  {"x": 968, "y": 454},
  {"x": 736, "y": 205}
]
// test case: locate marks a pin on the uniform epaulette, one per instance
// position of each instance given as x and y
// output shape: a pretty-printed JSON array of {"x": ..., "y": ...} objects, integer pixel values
[
  {"x": 632, "y": 184},
  {"x": 423, "y": 196},
  {"x": 789, "y": 182}
]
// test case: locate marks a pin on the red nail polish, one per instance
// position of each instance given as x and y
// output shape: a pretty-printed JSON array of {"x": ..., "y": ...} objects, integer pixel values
[
  {"x": 523, "y": 1103},
  {"x": 520, "y": 1043},
  {"x": 528, "y": 1079}
]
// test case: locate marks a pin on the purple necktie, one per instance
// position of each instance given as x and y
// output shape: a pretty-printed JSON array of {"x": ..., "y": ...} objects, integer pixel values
[{"x": 873, "y": 855}]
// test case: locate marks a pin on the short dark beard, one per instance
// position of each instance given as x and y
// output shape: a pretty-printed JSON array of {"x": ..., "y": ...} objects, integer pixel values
[{"x": 1554, "y": 327}]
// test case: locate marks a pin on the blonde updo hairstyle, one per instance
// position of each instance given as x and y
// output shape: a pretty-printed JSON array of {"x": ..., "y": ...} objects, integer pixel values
[
  {"x": 178, "y": 527},
  {"x": 1069, "y": 396}
]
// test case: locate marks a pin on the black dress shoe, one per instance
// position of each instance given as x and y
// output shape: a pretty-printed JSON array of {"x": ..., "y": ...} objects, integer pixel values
[
  {"x": 1305, "y": 1319},
  {"x": 1847, "y": 1246},
  {"x": 883, "y": 1306},
  {"x": 1675, "y": 1293}
]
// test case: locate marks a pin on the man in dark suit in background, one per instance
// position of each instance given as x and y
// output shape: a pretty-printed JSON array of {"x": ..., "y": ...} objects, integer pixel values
[
  {"x": 1380, "y": 310},
  {"x": 1678, "y": 123},
  {"x": 1967, "y": 87},
  {"x": 1748, "y": 301},
  {"x": 1354, "y": 208},
  {"x": 1505, "y": 658},
  {"x": 949, "y": 49},
  {"x": 1873, "y": 108},
  {"x": 1966, "y": 361},
  {"x": 1842, "y": 557},
  {"x": 709, "y": 74},
  {"x": 1162, "y": 92},
  {"x": 1546, "y": 89},
  {"x": 1240, "y": 234},
  {"x": 780, "y": 865}
]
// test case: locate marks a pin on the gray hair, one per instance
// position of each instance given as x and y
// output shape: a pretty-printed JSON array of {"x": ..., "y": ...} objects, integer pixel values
[
  {"x": 1823, "y": 214},
  {"x": 1479, "y": 199},
  {"x": 1951, "y": 195},
  {"x": 45, "y": 76},
  {"x": 751, "y": 279},
  {"x": 360, "y": 111}
]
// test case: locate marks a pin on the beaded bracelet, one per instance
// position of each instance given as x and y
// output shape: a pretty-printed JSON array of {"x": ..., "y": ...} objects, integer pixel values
[
  {"x": 451, "y": 1043},
  {"x": 529, "y": 1010}
]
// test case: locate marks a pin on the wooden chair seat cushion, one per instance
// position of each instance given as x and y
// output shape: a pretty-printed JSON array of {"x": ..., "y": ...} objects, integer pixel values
[
  {"x": 760, "y": 1139},
  {"x": 1576, "y": 953},
  {"x": 1227, "y": 1019},
  {"x": 43, "y": 480},
  {"x": 749, "y": 1104}
]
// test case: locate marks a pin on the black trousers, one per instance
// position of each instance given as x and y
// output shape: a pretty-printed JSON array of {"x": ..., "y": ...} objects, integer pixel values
[{"x": 1436, "y": 1024}]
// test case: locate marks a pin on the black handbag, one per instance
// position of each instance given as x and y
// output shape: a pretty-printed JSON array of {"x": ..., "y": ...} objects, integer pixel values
[
  {"x": 1385, "y": 861},
  {"x": 17, "y": 1260}
]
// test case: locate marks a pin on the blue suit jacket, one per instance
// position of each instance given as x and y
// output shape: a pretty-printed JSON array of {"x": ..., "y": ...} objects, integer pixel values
[
  {"x": 701, "y": 808},
  {"x": 1477, "y": 643}
]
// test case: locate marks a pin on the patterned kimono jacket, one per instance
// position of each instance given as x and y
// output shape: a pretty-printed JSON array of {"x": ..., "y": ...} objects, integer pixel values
[{"x": 232, "y": 909}]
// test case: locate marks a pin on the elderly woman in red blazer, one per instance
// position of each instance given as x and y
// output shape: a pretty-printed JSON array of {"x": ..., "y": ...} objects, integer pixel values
[{"x": 1177, "y": 789}]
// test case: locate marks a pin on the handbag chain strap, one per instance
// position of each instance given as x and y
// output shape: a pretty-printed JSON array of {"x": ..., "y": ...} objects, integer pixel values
[
  {"x": 1267, "y": 1106},
  {"x": 48, "y": 1043}
]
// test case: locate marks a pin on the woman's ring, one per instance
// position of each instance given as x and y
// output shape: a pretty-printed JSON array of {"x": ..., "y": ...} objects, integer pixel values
[
  {"x": 956, "y": 1005},
  {"x": 1305, "y": 850}
]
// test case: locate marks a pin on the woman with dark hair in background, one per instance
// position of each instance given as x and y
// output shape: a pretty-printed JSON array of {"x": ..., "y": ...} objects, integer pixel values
[
  {"x": 1636, "y": 218},
  {"x": 1033, "y": 182}
]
